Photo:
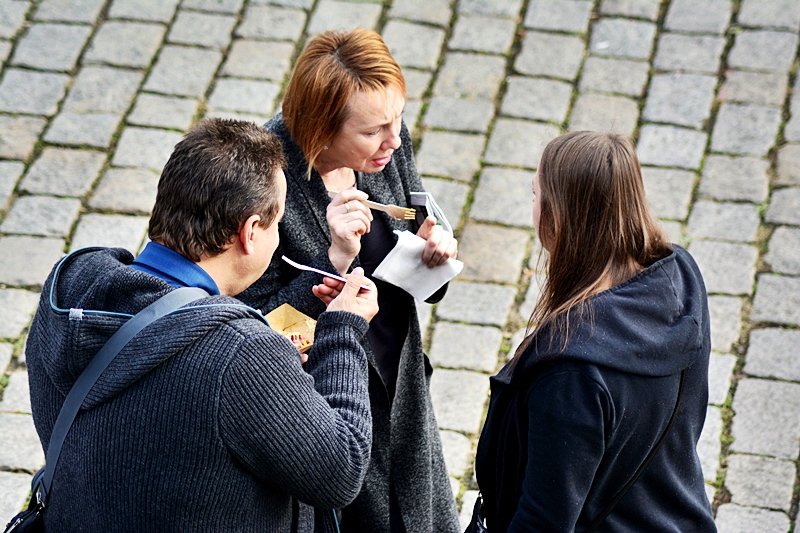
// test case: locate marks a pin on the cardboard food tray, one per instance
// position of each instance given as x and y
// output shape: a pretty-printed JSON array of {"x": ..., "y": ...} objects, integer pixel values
[{"x": 287, "y": 320}]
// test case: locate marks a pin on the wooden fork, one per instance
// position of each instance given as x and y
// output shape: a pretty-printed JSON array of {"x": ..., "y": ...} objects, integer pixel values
[{"x": 394, "y": 211}]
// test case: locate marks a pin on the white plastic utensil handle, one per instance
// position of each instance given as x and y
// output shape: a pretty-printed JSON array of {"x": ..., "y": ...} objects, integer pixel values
[{"x": 318, "y": 271}]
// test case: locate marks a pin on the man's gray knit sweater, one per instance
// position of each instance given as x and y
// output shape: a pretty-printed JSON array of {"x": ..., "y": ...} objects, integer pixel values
[{"x": 206, "y": 421}]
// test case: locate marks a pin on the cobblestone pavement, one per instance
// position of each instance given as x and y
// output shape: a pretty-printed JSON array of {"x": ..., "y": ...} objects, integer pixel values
[{"x": 95, "y": 93}]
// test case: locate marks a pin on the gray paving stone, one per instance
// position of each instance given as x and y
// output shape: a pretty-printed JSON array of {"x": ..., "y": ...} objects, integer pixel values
[
  {"x": 41, "y": 215},
  {"x": 125, "y": 44},
  {"x": 26, "y": 91},
  {"x": 788, "y": 167},
  {"x": 727, "y": 268},
  {"x": 272, "y": 22},
  {"x": 673, "y": 229},
  {"x": 792, "y": 129},
  {"x": 16, "y": 310},
  {"x": 732, "y": 518},
  {"x": 203, "y": 29},
  {"x": 19, "y": 444},
  {"x": 5, "y": 50},
  {"x": 671, "y": 146},
  {"x": 14, "y": 491},
  {"x": 305, "y": 4},
  {"x": 559, "y": 15},
  {"x": 482, "y": 33},
  {"x": 735, "y": 178},
  {"x": 720, "y": 375},
  {"x": 690, "y": 53},
  {"x": 784, "y": 207},
  {"x": 468, "y": 503},
  {"x": 777, "y": 300},
  {"x": 772, "y": 353},
  {"x": 237, "y": 115},
  {"x": 457, "y": 451},
  {"x": 145, "y": 148},
  {"x": 31, "y": 268},
  {"x": 767, "y": 418},
  {"x": 244, "y": 95},
  {"x": 183, "y": 71},
  {"x": 609, "y": 75},
  {"x": 709, "y": 445},
  {"x": 760, "y": 481},
  {"x": 411, "y": 115},
  {"x": 647, "y": 9},
  {"x": 336, "y": 15},
  {"x": 537, "y": 98},
  {"x": 622, "y": 38},
  {"x": 600, "y": 112},
  {"x": 122, "y": 231},
  {"x": 417, "y": 82},
  {"x": 51, "y": 46},
  {"x": 518, "y": 142},
  {"x": 83, "y": 129},
  {"x": 464, "y": 152},
  {"x": 459, "y": 114},
  {"x": 724, "y": 221},
  {"x": 726, "y": 321},
  {"x": 464, "y": 346},
  {"x": 450, "y": 195},
  {"x": 492, "y": 253},
  {"x": 763, "y": 50},
  {"x": 6, "y": 351},
  {"x": 776, "y": 14},
  {"x": 549, "y": 54},
  {"x": 126, "y": 190},
  {"x": 683, "y": 99},
  {"x": 503, "y": 8},
  {"x": 470, "y": 76},
  {"x": 216, "y": 6},
  {"x": 103, "y": 89},
  {"x": 475, "y": 303},
  {"x": 63, "y": 172},
  {"x": 458, "y": 398},
  {"x": 69, "y": 10},
  {"x": 711, "y": 16},
  {"x": 431, "y": 11},
  {"x": 257, "y": 59},
  {"x": 163, "y": 111},
  {"x": 157, "y": 10},
  {"x": 16, "y": 398},
  {"x": 413, "y": 45},
  {"x": 767, "y": 88},
  {"x": 10, "y": 172},
  {"x": 782, "y": 255},
  {"x": 12, "y": 17},
  {"x": 745, "y": 129},
  {"x": 503, "y": 196}
]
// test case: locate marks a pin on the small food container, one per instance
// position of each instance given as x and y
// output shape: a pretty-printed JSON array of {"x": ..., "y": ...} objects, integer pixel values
[{"x": 296, "y": 326}]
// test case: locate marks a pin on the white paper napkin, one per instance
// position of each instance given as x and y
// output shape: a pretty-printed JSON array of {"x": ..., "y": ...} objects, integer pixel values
[{"x": 404, "y": 268}]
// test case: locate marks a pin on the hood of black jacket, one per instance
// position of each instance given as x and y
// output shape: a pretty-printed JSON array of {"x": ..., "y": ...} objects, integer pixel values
[
  {"x": 654, "y": 324},
  {"x": 88, "y": 298}
]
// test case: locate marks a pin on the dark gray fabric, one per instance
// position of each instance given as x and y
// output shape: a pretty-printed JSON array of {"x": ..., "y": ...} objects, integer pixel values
[
  {"x": 406, "y": 448},
  {"x": 206, "y": 421}
]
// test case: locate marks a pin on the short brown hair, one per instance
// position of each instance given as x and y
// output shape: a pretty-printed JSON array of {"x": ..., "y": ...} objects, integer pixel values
[
  {"x": 222, "y": 172},
  {"x": 331, "y": 68},
  {"x": 595, "y": 221}
]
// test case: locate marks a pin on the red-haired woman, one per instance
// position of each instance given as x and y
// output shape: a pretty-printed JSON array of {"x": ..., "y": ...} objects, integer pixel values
[
  {"x": 342, "y": 129},
  {"x": 594, "y": 422}
]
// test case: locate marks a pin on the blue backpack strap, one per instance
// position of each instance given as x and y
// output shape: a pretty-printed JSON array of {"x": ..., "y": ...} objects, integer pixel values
[{"x": 72, "y": 404}]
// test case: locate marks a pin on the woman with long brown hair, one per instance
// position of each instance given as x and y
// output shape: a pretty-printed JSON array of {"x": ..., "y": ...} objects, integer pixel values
[{"x": 594, "y": 422}]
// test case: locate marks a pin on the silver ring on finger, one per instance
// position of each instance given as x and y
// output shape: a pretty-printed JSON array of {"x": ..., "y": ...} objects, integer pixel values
[{"x": 347, "y": 207}]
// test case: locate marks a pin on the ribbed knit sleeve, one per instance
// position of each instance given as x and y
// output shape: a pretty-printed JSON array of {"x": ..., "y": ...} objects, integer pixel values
[{"x": 303, "y": 431}]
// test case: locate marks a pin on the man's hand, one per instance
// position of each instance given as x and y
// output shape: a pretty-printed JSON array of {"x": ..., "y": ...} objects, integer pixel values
[{"x": 351, "y": 296}]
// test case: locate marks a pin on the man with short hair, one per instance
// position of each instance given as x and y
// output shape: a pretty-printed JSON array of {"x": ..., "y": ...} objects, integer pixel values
[{"x": 206, "y": 420}]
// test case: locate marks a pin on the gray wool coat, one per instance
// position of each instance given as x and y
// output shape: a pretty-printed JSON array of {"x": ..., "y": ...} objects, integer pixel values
[{"x": 407, "y": 454}]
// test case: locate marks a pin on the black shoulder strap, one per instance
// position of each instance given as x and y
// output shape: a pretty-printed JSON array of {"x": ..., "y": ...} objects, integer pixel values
[
  {"x": 615, "y": 500},
  {"x": 72, "y": 404}
]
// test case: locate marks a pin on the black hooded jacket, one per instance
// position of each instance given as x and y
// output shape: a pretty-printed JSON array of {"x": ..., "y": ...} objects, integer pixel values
[{"x": 567, "y": 429}]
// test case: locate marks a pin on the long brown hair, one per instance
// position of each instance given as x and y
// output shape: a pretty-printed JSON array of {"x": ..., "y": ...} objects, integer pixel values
[
  {"x": 595, "y": 223},
  {"x": 332, "y": 67}
]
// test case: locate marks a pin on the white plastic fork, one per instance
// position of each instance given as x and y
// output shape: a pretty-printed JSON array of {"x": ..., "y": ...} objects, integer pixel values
[{"x": 318, "y": 271}]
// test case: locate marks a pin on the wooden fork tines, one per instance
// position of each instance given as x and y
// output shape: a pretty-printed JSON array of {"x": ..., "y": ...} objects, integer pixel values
[{"x": 394, "y": 211}]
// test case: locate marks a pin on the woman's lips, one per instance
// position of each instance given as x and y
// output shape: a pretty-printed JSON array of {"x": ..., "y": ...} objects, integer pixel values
[{"x": 381, "y": 161}]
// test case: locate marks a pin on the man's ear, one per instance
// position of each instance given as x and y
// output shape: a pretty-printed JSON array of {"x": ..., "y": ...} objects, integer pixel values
[{"x": 247, "y": 233}]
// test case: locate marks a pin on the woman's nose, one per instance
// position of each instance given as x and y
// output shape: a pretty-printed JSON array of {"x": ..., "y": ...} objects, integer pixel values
[{"x": 393, "y": 141}]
